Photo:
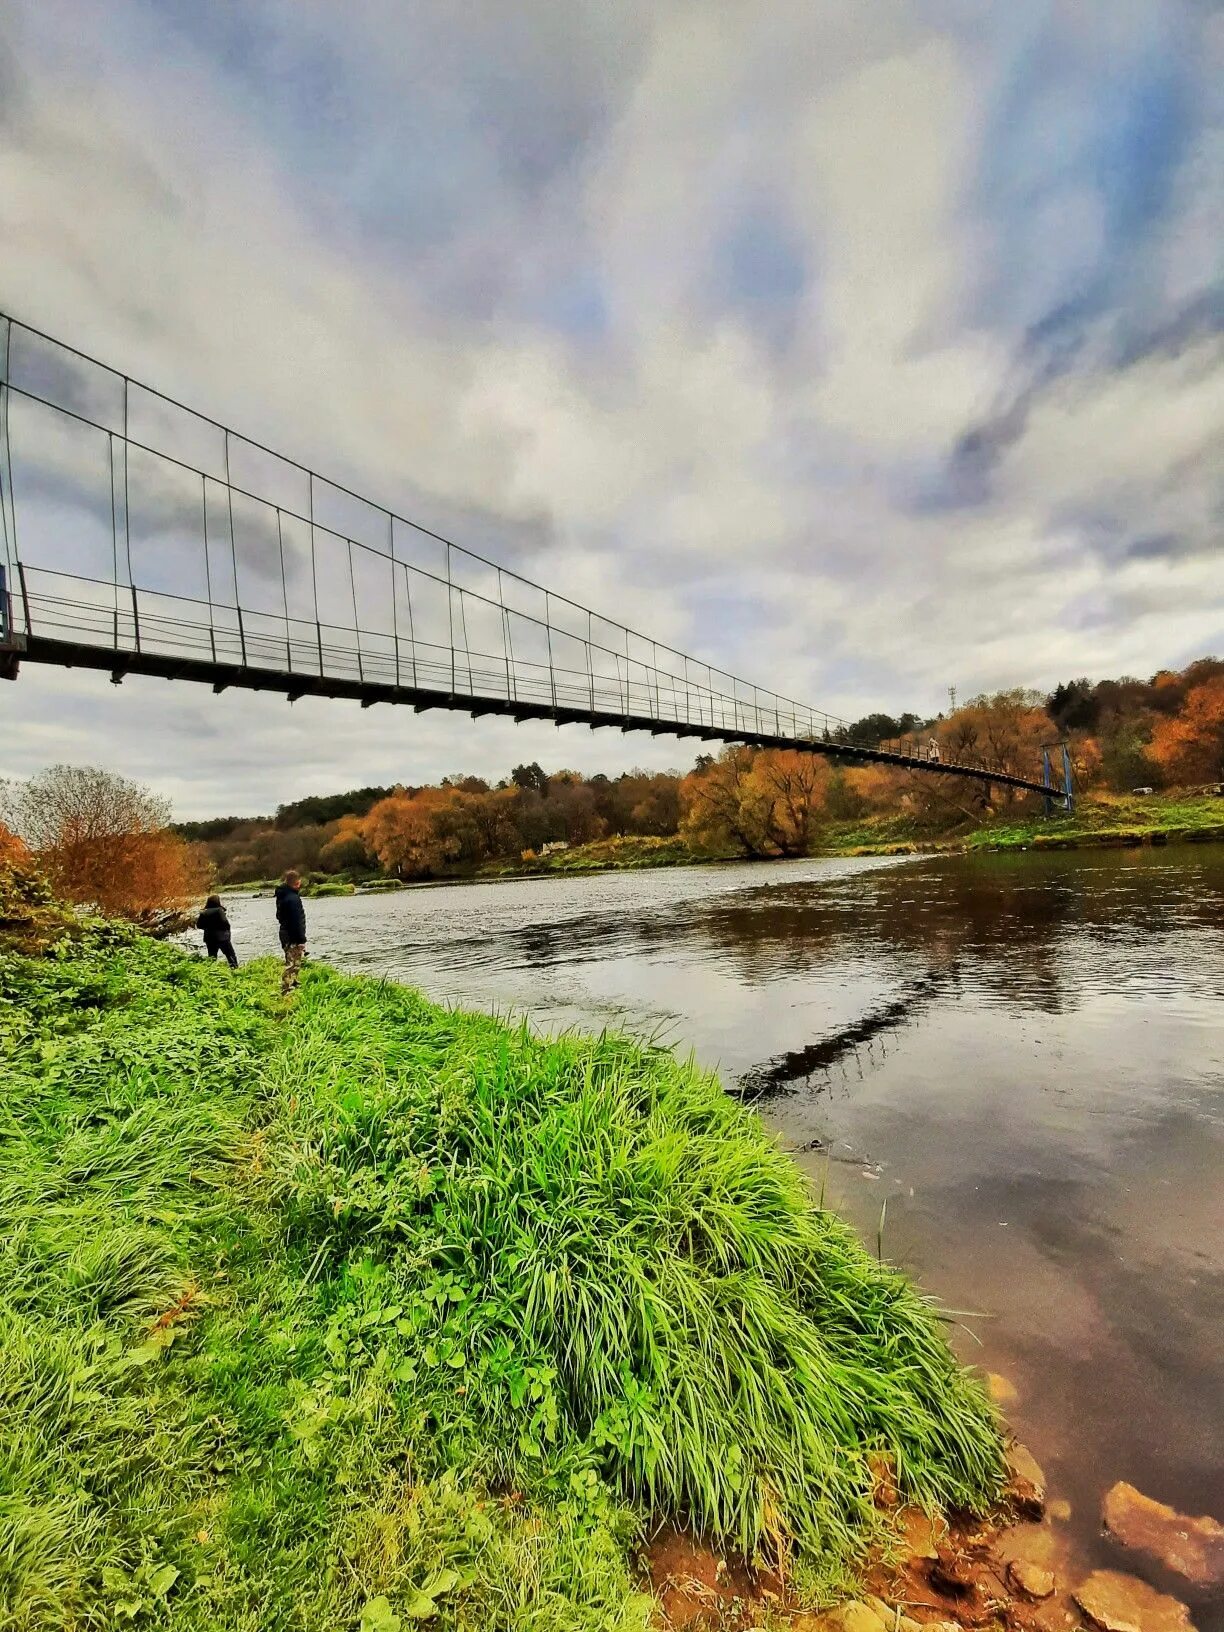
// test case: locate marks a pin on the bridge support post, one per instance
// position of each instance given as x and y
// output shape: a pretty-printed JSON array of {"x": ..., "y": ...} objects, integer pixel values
[
  {"x": 10, "y": 640},
  {"x": 1068, "y": 794},
  {"x": 1047, "y": 776}
]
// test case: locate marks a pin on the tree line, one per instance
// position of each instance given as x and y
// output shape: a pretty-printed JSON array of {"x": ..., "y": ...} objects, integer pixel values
[
  {"x": 423, "y": 830},
  {"x": 1163, "y": 732},
  {"x": 109, "y": 842}
]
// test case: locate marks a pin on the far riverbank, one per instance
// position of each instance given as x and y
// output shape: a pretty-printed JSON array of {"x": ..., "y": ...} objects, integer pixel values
[{"x": 1099, "y": 821}]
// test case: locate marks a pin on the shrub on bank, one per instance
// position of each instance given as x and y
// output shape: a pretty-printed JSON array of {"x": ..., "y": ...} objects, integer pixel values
[{"x": 374, "y": 1301}]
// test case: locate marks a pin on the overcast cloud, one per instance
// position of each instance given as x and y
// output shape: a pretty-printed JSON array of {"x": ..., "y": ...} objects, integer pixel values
[{"x": 862, "y": 348}]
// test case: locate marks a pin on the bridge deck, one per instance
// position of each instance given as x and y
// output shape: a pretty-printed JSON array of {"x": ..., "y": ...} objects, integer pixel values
[{"x": 223, "y": 676}]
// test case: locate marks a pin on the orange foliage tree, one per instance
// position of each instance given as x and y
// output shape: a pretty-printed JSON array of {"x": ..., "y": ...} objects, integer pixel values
[
  {"x": 402, "y": 830},
  {"x": 13, "y": 851},
  {"x": 104, "y": 842},
  {"x": 1005, "y": 731},
  {"x": 347, "y": 847},
  {"x": 766, "y": 802},
  {"x": 1087, "y": 762},
  {"x": 1188, "y": 747}
]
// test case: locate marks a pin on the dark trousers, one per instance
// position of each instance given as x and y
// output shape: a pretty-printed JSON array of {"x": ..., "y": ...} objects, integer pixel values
[{"x": 226, "y": 949}]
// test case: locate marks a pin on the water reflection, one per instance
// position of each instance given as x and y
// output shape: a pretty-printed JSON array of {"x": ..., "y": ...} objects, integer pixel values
[
  {"x": 802, "y": 1066},
  {"x": 1023, "y": 1054}
]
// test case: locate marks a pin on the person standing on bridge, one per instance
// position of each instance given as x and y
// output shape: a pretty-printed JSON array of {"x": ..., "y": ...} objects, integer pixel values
[
  {"x": 933, "y": 752},
  {"x": 291, "y": 917}
]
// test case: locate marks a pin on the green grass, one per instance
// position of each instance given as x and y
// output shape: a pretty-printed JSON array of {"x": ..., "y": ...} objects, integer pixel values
[
  {"x": 629, "y": 852},
  {"x": 1104, "y": 819},
  {"x": 367, "y": 1312},
  {"x": 870, "y": 835},
  {"x": 1098, "y": 819}
]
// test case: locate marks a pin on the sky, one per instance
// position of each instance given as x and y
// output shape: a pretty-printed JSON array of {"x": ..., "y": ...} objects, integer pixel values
[{"x": 864, "y": 350}]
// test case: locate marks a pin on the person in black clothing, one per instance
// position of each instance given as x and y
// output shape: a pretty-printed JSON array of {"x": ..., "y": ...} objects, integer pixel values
[
  {"x": 217, "y": 934},
  {"x": 291, "y": 916}
]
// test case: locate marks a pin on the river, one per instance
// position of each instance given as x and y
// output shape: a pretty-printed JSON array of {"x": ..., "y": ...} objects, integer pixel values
[{"x": 1021, "y": 1055}]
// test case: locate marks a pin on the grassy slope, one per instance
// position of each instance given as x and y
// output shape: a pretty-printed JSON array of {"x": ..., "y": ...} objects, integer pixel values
[
  {"x": 1099, "y": 819},
  {"x": 618, "y": 853},
  {"x": 1105, "y": 818},
  {"x": 372, "y": 1310}
]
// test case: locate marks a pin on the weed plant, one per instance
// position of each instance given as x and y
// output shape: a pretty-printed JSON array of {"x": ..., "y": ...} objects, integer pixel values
[{"x": 364, "y": 1313}]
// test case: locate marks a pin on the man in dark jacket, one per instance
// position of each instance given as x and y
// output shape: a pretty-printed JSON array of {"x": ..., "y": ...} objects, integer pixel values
[
  {"x": 291, "y": 916},
  {"x": 217, "y": 934}
]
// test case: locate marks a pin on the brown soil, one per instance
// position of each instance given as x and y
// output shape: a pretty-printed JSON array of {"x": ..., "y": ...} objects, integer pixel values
[
  {"x": 931, "y": 1572},
  {"x": 701, "y": 1589}
]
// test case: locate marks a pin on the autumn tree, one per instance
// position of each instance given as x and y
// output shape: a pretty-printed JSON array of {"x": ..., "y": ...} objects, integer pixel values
[
  {"x": 254, "y": 850},
  {"x": 346, "y": 849},
  {"x": 1189, "y": 746},
  {"x": 638, "y": 802},
  {"x": 1086, "y": 764},
  {"x": 572, "y": 814},
  {"x": 493, "y": 815},
  {"x": 765, "y": 802},
  {"x": 789, "y": 790},
  {"x": 865, "y": 787},
  {"x": 105, "y": 842},
  {"x": 1005, "y": 730},
  {"x": 13, "y": 850},
  {"x": 712, "y": 803},
  {"x": 656, "y": 809},
  {"x": 402, "y": 832}
]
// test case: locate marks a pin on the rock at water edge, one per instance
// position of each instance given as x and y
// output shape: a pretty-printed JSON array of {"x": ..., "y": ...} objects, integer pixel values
[
  {"x": 1122, "y": 1603},
  {"x": 1030, "y": 1579},
  {"x": 1026, "y": 1484},
  {"x": 921, "y": 1534},
  {"x": 894, "y": 1619},
  {"x": 1194, "y": 1548},
  {"x": 1001, "y": 1390},
  {"x": 852, "y": 1617}
]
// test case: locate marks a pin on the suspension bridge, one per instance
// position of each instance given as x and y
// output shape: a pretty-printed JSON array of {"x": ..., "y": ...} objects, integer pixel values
[{"x": 139, "y": 536}]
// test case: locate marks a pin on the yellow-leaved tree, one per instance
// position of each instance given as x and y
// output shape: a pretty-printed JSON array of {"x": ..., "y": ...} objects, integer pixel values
[{"x": 765, "y": 802}]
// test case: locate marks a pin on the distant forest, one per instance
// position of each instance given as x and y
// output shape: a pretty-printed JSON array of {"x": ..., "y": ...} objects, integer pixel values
[{"x": 1164, "y": 732}]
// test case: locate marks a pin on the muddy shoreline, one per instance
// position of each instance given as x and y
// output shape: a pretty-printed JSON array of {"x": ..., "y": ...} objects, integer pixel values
[{"x": 1018, "y": 1568}]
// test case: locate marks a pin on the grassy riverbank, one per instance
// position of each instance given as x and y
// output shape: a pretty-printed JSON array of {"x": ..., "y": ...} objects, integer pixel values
[
  {"x": 359, "y": 1312},
  {"x": 630, "y": 852},
  {"x": 1099, "y": 820},
  {"x": 1109, "y": 820}
]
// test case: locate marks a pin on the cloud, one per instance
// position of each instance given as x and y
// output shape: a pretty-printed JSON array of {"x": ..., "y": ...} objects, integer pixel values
[{"x": 861, "y": 351}]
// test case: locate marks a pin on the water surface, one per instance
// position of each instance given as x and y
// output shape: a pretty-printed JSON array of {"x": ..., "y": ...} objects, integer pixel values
[{"x": 1023, "y": 1056}]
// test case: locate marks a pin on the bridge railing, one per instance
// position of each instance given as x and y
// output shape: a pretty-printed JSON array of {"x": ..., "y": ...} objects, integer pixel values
[
  {"x": 131, "y": 524},
  {"x": 126, "y": 619},
  {"x": 139, "y": 525}
]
